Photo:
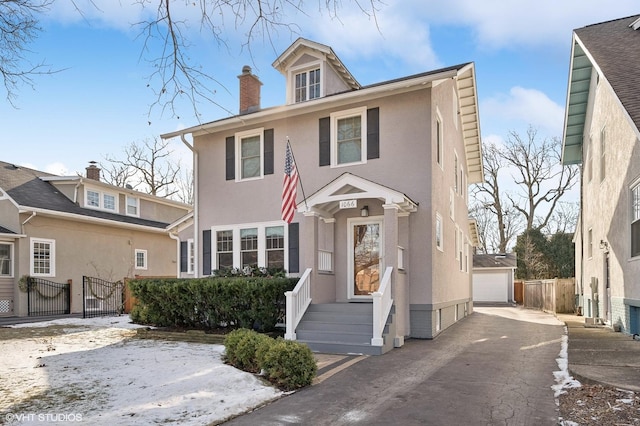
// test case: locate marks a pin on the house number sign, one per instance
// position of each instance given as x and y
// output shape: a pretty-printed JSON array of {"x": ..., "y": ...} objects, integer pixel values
[{"x": 348, "y": 204}]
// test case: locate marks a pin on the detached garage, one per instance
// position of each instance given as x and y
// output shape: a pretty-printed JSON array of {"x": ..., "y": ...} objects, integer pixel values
[{"x": 493, "y": 276}]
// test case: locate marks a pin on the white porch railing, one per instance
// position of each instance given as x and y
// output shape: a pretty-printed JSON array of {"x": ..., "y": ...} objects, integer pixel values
[
  {"x": 382, "y": 303},
  {"x": 325, "y": 261},
  {"x": 297, "y": 302}
]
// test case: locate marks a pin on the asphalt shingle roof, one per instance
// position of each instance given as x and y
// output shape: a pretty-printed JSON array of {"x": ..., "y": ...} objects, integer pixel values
[
  {"x": 508, "y": 260},
  {"x": 26, "y": 188},
  {"x": 615, "y": 47}
]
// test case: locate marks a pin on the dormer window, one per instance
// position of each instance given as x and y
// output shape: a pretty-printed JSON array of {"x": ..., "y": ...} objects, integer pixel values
[
  {"x": 101, "y": 200},
  {"x": 307, "y": 85}
]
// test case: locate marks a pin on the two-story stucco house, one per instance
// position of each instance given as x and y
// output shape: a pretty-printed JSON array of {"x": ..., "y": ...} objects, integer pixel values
[
  {"x": 61, "y": 228},
  {"x": 602, "y": 133},
  {"x": 381, "y": 202}
]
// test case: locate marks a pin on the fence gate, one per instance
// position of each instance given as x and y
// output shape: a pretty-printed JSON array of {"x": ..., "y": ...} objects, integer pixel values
[
  {"x": 102, "y": 298},
  {"x": 47, "y": 297}
]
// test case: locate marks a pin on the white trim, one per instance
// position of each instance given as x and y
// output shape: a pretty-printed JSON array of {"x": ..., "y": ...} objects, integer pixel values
[
  {"x": 145, "y": 258},
  {"x": 239, "y": 136},
  {"x": 11, "y": 259},
  {"x": 191, "y": 256},
  {"x": 304, "y": 68},
  {"x": 438, "y": 232},
  {"x": 128, "y": 197},
  {"x": 360, "y": 111},
  {"x": 351, "y": 221},
  {"x": 52, "y": 257}
]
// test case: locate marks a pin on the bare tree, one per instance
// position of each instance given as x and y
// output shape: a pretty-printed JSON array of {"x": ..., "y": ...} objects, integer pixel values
[
  {"x": 539, "y": 175},
  {"x": 147, "y": 167},
  {"x": 501, "y": 225},
  {"x": 18, "y": 28},
  {"x": 185, "y": 186},
  {"x": 166, "y": 43},
  {"x": 564, "y": 218}
]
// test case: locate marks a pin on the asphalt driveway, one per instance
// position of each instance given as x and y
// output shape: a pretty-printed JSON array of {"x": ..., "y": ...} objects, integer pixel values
[{"x": 493, "y": 368}]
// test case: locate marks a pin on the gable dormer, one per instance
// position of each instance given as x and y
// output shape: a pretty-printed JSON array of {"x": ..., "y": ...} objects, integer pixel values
[{"x": 313, "y": 70}]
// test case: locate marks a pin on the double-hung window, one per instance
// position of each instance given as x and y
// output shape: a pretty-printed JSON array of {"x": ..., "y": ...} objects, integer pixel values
[
  {"x": 250, "y": 154},
  {"x": 224, "y": 249},
  {"x": 249, "y": 247},
  {"x": 6, "y": 260},
  {"x": 43, "y": 255},
  {"x": 349, "y": 137},
  {"x": 307, "y": 85},
  {"x": 274, "y": 236},
  {"x": 635, "y": 220},
  {"x": 132, "y": 206}
]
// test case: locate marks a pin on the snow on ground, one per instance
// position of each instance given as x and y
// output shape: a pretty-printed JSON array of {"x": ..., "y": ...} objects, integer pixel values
[{"x": 88, "y": 370}]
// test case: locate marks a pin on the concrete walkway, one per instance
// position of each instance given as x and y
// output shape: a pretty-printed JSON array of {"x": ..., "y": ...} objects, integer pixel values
[{"x": 599, "y": 355}]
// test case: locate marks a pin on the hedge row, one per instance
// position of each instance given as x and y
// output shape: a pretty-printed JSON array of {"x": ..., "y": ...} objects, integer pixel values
[
  {"x": 287, "y": 364},
  {"x": 207, "y": 303}
]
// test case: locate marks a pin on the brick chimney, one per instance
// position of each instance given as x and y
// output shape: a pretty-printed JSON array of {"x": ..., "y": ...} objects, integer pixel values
[
  {"x": 249, "y": 91},
  {"x": 93, "y": 172}
]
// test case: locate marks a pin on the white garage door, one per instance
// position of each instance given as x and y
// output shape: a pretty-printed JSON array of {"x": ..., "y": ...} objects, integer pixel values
[{"x": 490, "y": 287}]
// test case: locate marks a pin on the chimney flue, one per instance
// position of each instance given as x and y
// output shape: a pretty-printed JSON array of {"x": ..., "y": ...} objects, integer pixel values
[
  {"x": 93, "y": 172},
  {"x": 249, "y": 91}
]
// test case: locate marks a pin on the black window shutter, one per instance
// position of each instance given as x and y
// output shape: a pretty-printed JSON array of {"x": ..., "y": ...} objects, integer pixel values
[
  {"x": 294, "y": 247},
  {"x": 373, "y": 133},
  {"x": 231, "y": 158},
  {"x": 268, "y": 152},
  {"x": 325, "y": 141},
  {"x": 206, "y": 252},
  {"x": 183, "y": 256}
]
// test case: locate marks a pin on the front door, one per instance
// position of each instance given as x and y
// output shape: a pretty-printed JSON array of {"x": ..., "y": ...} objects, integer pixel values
[{"x": 365, "y": 248}]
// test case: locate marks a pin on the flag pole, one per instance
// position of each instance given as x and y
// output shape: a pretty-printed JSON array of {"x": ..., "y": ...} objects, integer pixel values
[{"x": 299, "y": 176}]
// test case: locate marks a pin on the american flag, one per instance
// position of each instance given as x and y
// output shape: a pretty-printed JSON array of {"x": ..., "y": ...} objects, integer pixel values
[{"x": 289, "y": 189}]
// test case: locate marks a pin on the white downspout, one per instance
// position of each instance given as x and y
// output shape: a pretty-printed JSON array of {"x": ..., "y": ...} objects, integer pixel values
[
  {"x": 33, "y": 214},
  {"x": 196, "y": 229},
  {"x": 177, "y": 240}
]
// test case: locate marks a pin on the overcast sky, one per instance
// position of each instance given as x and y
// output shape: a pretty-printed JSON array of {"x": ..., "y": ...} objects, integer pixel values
[{"x": 99, "y": 102}]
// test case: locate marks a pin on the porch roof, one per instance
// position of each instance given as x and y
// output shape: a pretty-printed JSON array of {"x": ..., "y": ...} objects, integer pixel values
[{"x": 326, "y": 201}]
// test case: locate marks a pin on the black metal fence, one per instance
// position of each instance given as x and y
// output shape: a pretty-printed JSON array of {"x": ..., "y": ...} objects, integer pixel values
[
  {"x": 47, "y": 297},
  {"x": 101, "y": 297}
]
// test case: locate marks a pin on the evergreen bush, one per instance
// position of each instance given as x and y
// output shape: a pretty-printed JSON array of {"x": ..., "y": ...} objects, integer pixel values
[{"x": 289, "y": 365}]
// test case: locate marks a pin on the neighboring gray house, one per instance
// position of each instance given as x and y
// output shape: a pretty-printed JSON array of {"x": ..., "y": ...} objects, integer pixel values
[
  {"x": 61, "y": 228},
  {"x": 382, "y": 221},
  {"x": 493, "y": 277},
  {"x": 602, "y": 134}
]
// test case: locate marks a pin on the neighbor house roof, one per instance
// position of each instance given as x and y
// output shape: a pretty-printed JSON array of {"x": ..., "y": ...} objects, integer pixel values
[
  {"x": 613, "y": 49},
  {"x": 30, "y": 191},
  {"x": 506, "y": 260}
]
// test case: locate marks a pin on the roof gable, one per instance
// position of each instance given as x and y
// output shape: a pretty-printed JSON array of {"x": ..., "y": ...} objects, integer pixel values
[{"x": 613, "y": 49}]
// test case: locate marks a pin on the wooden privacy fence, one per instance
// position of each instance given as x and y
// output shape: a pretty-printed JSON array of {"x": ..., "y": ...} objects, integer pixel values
[{"x": 556, "y": 295}]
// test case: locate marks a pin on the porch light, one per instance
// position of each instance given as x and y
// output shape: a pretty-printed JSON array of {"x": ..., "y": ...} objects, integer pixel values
[{"x": 364, "y": 212}]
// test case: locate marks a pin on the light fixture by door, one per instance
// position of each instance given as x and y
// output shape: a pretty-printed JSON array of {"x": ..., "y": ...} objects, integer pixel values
[{"x": 364, "y": 212}]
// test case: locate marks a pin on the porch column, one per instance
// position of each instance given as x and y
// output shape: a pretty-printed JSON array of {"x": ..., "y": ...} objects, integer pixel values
[
  {"x": 309, "y": 238},
  {"x": 391, "y": 243}
]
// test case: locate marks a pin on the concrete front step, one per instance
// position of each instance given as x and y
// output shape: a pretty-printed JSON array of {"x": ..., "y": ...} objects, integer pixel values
[{"x": 340, "y": 328}]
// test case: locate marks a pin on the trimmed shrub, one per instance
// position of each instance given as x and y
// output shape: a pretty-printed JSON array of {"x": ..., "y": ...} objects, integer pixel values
[
  {"x": 206, "y": 303},
  {"x": 231, "y": 342},
  {"x": 249, "y": 346},
  {"x": 289, "y": 365}
]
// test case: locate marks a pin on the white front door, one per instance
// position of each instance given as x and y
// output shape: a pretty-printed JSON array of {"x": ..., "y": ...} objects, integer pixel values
[{"x": 365, "y": 256}]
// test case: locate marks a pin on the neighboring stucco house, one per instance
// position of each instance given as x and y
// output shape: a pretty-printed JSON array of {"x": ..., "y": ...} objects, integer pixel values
[
  {"x": 60, "y": 228},
  {"x": 384, "y": 171},
  {"x": 602, "y": 134},
  {"x": 493, "y": 277}
]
